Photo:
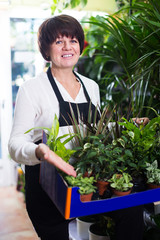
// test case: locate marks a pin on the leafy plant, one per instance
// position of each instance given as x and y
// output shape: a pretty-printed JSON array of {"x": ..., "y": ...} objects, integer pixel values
[
  {"x": 140, "y": 144},
  {"x": 102, "y": 226},
  {"x": 85, "y": 184},
  {"x": 121, "y": 182},
  {"x": 89, "y": 140},
  {"x": 125, "y": 63},
  {"x": 153, "y": 173},
  {"x": 54, "y": 142}
]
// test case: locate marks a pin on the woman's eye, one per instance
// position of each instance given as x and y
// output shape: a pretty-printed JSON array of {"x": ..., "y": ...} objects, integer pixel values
[
  {"x": 74, "y": 41},
  {"x": 58, "y": 42}
]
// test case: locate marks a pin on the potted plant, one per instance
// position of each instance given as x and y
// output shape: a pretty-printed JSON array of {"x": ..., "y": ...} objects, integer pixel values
[
  {"x": 83, "y": 224},
  {"x": 100, "y": 229},
  {"x": 90, "y": 139},
  {"x": 140, "y": 146},
  {"x": 113, "y": 159},
  {"x": 85, "y": 184},
  {"x": 153, "y": 174},
  {"x": 121, "y": 183},
  {"x": 96, "y": 153}
]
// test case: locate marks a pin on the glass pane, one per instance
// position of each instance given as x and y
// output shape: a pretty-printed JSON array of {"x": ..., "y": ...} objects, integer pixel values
[{"x": 24, "y": 51}]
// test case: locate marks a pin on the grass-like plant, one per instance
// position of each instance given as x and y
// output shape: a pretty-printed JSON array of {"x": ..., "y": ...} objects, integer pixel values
[{"x": 54, "y": 142}]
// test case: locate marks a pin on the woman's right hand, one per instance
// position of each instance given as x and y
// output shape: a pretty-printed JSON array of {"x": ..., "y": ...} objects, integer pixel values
[{"x": 43, "y": 152}]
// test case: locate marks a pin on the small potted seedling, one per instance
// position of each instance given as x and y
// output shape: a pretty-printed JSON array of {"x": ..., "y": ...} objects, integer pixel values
[
  {"x": 153, "y": 174},
  {"x": 85, "y": 184},
  {"x": 121, "y": 183}
]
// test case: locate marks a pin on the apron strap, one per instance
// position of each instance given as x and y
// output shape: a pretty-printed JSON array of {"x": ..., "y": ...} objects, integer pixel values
[
  {"x": 54, "y": 86},
  {"x": 56, "y": 90},
  {"x": 84, "y": 88}
]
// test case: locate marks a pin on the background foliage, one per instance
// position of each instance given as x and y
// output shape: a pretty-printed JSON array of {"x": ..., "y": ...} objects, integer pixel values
[{"x": 123, "y": 55}]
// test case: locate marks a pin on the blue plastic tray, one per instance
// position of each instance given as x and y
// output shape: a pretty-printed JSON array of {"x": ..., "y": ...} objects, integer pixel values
[{"x": 68, "y": 200}]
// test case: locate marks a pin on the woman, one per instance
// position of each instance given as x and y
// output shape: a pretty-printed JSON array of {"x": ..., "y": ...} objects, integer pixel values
[{"x": 61, "y": 41}]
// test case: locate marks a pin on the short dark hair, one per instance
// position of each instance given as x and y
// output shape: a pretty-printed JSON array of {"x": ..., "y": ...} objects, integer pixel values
[{"x": 61, "y": 25}]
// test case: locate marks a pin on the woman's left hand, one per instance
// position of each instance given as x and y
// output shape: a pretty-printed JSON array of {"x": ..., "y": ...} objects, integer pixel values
[{"x": 139, "y": 121}]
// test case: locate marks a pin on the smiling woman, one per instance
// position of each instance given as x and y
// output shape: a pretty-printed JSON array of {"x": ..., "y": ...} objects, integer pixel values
[{"x": 61, "y": 41}]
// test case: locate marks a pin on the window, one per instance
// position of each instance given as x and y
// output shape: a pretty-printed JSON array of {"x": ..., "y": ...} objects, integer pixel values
[{"x": 25, "y": 58}]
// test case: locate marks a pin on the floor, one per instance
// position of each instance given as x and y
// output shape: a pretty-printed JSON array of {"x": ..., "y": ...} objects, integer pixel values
[{"x": 14, "y": 221}]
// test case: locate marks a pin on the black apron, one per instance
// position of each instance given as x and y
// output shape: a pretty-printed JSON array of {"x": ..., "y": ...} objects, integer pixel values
[{"x": 46, "y": 218}]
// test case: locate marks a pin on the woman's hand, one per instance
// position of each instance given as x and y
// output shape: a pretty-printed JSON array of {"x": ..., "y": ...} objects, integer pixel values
[
  {"x": 43, "y": 152},
  {"x": 139, "y": 121}
]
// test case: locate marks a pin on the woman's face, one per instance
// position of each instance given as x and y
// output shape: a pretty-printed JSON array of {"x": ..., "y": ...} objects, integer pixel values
[{"x": 64, "y": 52}]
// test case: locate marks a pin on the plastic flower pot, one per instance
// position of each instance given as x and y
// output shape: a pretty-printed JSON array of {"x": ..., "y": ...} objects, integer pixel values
[{"x": 83, "y": 224}]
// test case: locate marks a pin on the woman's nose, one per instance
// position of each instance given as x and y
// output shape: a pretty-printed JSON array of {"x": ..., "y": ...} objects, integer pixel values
[{"x": 66, "y": 45}]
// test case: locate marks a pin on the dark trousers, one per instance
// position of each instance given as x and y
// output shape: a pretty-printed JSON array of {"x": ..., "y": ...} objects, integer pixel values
[
  {"x": 129, "y": 223},
  {"x": 45, "y": 217}
]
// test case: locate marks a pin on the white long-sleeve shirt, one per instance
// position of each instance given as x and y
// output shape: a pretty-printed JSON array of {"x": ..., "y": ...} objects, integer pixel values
[{"x": 36, "y": 106}]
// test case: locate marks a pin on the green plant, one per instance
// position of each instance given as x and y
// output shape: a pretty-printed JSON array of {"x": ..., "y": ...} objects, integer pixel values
[
  {"x": 103, "y": 226},
  {"x": 85, "y": 184},
  {"x": 97, "y": 153},
  {"x": 121, "y": 182},
  {"x": 54, "y": 142},
  {"x": 140, "y": 144},
  {"x": 153, "y": 173},
  {"x": 127, "y": 60}
]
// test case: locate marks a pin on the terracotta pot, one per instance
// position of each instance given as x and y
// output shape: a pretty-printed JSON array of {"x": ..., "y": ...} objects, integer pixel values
[
  {"x": 86, "y": 174},
  {"x": 86, "y": 197},
  {"x": 119, "y": 193},
  {"x": 153, "y": 186},
  {"x": 102, "y": 186}
]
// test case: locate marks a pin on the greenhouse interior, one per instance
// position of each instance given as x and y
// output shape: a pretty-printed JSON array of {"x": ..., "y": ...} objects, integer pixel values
[{"x": 110, "y": 49}]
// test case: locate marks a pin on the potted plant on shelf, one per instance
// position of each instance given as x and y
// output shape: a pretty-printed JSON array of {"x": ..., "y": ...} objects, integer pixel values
[
  {"x": 153, "y": 175},
  {"x": 83, "y": 224},
  {"x": 100, "y": 229},
  {"x": 85, "y": 184},
  {"x": 121, "y": 183}
]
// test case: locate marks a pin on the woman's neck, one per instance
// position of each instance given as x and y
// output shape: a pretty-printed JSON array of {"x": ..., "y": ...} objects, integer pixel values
[
  {"x": 63, "y": 76},
  {"x": 68, "y": 80}
]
